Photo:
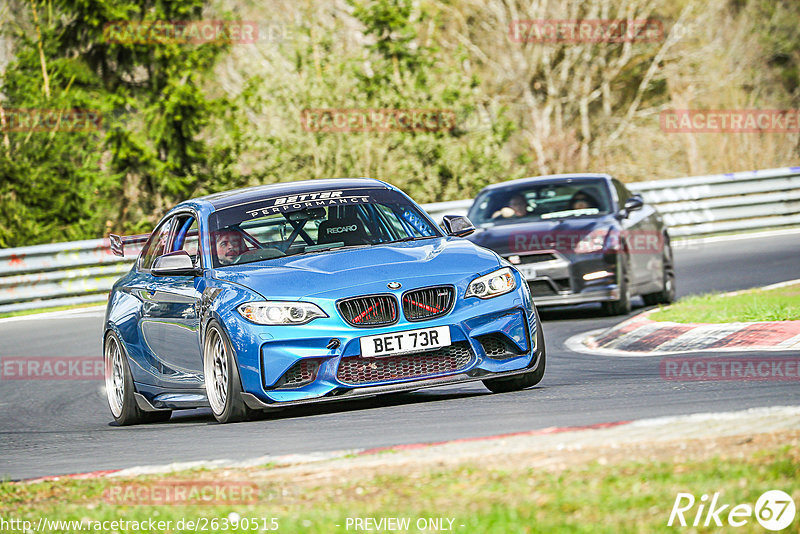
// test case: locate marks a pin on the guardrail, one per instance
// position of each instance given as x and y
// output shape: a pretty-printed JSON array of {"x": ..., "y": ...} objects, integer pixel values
[{"x": 80, "y": 272}]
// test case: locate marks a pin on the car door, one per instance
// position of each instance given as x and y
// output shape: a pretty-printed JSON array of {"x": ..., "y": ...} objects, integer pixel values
[{"x": 170, "y": 322}]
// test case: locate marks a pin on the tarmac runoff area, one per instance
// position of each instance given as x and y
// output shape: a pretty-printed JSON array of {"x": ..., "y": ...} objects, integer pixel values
[{"x": 727, "y": 434}]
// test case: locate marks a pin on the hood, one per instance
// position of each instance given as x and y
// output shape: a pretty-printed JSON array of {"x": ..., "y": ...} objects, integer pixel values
[
  {"x": 560, "y": 234},
  {"x": 336, "y": 273}
]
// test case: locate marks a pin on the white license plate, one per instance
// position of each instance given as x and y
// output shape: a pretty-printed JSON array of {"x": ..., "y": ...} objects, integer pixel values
[
  {"x": 407, "y": 341},
  {"x": 528, "y": 271}
]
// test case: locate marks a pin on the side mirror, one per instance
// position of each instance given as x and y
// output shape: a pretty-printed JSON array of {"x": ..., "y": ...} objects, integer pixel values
[
  {"x": 457, "y": 225},
  {"x": 177, "y": 263},
  {"x": 636, "y": 202},
  {"x": 117, "y": 244}
]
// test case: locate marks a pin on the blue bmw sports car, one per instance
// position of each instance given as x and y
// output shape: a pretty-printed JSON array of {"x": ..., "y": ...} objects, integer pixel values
[{"x": 303, "y": 292}]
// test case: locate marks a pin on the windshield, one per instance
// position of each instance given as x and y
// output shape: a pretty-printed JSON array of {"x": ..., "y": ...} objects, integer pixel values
[
  {"x": 276, "y": 227},
  {"x": 550, "y": 200}
]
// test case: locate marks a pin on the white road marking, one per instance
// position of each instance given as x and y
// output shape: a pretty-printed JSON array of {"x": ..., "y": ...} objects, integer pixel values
[
  {"x": 688, "y": 242},
  {"x": 77, "y": 313},
  {"x": 655, "y": 429}
]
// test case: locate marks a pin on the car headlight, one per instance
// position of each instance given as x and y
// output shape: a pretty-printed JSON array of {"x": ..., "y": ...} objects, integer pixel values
[
  {"x": 591, "y": 242},
  {"x": 493, "y": 284},
  {"x": 280, "y": 313}
]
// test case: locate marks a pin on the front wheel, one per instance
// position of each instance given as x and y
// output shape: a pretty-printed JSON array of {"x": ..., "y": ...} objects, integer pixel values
[
  {"x": 223, "y": 385},
  {"x": 623, "y": 305},
  {"x": 120, "y": 389},
  {"x": 667, "y": 293}
]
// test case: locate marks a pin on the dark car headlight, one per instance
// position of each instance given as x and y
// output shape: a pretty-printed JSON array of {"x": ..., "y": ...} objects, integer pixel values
[
  {"x": 592, "y": 242},
  {"x": 493, "y": 284},
  {"x": 280, "y": 313}
]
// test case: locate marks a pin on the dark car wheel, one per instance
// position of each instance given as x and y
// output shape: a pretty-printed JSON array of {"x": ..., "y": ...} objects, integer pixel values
[
  {"x": 623, "y": 305},
  {"x": 120, "y": 388},
  {"x": 667, "y": 293},
  {"x": 516, "y": 383},
  {"x": 223, "y": 385}
]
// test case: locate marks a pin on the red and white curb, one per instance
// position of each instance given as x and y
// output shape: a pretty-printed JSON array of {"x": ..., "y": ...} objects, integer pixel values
[
  {"x": 641, "y": 336},
  {"x": 482, "y": 449},
  {"x": 304, "y": 459},
  {"x": 274, "y": 461}
]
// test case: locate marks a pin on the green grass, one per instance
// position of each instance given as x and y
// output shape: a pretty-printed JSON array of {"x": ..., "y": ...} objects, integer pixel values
[
  {"x": 621, "y": 497},
  {"x": 781, "y": 304}
]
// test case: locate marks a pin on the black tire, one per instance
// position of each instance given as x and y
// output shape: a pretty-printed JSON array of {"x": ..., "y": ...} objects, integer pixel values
[
  {"x": 526, "y": 380},
  {"x": 221, "y": 377},
  {"x": 667, "y": 293},
  {"x": 120, "y": 388},
  {"x": 623, "y": 305}
]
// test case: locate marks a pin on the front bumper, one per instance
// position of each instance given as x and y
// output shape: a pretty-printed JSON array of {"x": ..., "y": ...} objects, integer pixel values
[
  {"x": 266, "y": 355},
  {"x": 556, "y": 279},
  {"x": 566, "y": 299},
  {"x": 256, "y": 403}
]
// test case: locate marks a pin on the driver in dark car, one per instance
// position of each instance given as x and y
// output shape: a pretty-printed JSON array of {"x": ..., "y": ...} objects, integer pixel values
[
  {"x": 228, "y": 245},
  {"x": 582, "y": 200},
  {"x": 517, "y": 207}
]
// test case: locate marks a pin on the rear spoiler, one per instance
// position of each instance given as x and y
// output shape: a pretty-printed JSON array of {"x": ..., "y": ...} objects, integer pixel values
[{"x": 118, "y": 242}]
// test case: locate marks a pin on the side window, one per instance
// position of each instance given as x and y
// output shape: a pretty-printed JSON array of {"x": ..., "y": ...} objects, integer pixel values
[
  {"x": 186, "y": 237},
  {"x": 393, "y": 221},
  {"x": 622, "y": 192},
  {"x": 155, "y": 247}
]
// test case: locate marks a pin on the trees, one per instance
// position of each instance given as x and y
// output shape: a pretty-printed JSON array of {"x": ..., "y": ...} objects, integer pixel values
[
  {"x": 365, "y": 57},
  {"x": 182, "y": 119},
  {"x": 149, "y": 151}
]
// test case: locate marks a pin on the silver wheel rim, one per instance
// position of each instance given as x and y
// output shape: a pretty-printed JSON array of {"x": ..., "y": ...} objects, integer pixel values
[
  {"x": 215, "y": 368},
  {"x": 115, "y": 376}
]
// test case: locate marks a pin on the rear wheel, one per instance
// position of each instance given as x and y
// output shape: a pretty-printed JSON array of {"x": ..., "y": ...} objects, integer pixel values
[
  {"x": 120, "y": 388},
  {"x": 623, "y": 305},
  {"x": 223, "y": 385},
  {"x": 523, "y": 381}
]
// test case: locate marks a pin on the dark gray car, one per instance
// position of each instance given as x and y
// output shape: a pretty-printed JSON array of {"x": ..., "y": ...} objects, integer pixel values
[{"x": 578, "y": 238}]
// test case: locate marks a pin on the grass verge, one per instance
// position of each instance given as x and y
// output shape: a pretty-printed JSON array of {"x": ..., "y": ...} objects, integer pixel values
[
  {"x": 779, "y": 304},
  {"x": 595, "y": 496}
]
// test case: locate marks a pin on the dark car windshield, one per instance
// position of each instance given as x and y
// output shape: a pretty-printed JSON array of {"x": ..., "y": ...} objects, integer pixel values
[
  {"x": 316, "y": 221},
  {"x": 541, "y": 201}
]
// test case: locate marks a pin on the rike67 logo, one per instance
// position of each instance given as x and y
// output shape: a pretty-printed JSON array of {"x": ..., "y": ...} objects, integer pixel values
[{"x": 774, "y": 510}]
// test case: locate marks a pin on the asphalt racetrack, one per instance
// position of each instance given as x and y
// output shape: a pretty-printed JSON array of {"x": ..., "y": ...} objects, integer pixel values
[{"x": 50, "y": 427}]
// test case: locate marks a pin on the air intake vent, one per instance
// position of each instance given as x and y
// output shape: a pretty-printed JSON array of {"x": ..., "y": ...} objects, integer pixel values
[
  {"x": 427, "y": 303},
  {"x": 358, "y": 370},
  {"x": 302, "y": 373},
  {"x": 374, "y": 310},
  {"x": 498, "y": 347}
]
